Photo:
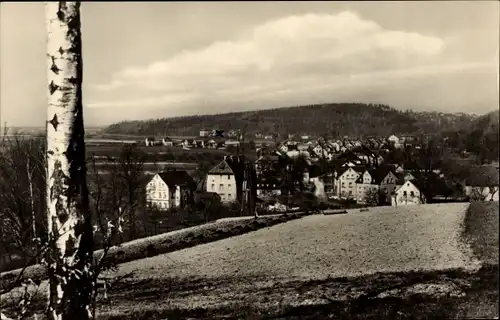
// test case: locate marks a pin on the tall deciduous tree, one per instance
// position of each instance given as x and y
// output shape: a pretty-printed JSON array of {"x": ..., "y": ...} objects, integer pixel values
[{"x": 69, "y": 225}]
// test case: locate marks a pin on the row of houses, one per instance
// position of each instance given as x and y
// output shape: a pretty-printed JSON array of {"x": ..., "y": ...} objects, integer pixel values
[
  {"x": 389, "y": 184},
  {"x": 197, "y": 142},
  {"x": 359, "y": 175}
]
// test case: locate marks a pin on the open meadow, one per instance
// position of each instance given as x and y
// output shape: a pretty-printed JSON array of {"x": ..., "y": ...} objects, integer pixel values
[
  {"x": 384, "y": 239},
  {"x": 407, "y": 262},
  {"x": 320, "y": 262}
]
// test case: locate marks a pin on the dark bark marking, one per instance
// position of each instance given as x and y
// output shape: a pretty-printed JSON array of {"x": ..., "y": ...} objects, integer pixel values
[
  {"x": 54, "y": 122},
  {"x": 73, "y": 25},
  {"x": 72, "y": 80},
  {"x": 54, "y": 67},
  {"x": 53, "y": 87},
  {"x": 60, "y": 11},
  {"x": 61, "y": 51},
  {"x": 57, "y": 190}
]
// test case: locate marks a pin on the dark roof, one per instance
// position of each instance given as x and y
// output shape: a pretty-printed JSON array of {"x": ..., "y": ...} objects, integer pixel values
[
  {"x": 348, "y": 156},
  {"x": 410, "y": 165},
  {"x": 372, "y": 173},
  {"x": 380, "y": 173},
  {"x": 176, "y": 178},
  {"x": 315, "y": 171},
  {"x": 222, "y": 168}
]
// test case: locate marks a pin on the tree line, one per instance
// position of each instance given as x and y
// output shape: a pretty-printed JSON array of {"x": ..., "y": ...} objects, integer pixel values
[{"x": 333, "y": 119}]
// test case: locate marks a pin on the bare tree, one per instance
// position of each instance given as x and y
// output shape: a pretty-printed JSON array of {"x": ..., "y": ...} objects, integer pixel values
[
  {"x": 70, "y": 254},
  {"x": 22, "y": 203},
  {"x": 130, "y": 175}
]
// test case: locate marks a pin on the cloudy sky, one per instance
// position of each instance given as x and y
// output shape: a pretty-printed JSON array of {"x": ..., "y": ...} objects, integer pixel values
[{"x": 147, "y": 60}]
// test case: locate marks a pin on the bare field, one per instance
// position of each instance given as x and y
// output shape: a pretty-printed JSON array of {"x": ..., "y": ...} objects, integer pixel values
[
  {"x": 388, "y": 263},
  {"x": 385, "y": 239}
]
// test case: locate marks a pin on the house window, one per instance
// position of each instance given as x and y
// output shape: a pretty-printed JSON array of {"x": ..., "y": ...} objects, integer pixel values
[
  {"x": 221, "y": 187},
  {"x": 229, "y": 186},
  {"x": 350, "y": 192},
  {"x": 213, "y": 186},
  {"x": 412, "y": 193},
  {"x": 343, "y": 184},
  {"x": 404, "y": 193},
  {"x": 228, "y": 194},
  {"x": 228, "y": 177}
]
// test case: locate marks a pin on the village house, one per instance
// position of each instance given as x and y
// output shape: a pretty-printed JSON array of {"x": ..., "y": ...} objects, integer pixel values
[
  {"x": 335, "y": 145},
  {"x": 346, "y": 181},
  {"x": 167, "y": 142},
  {"x": 200, "y": 142},
  {"x": 205, "y": 132},
  {"x": 387, "y": 181},
  {"x": 269, "y": 186},
  {"x": 302, "y": 147},
  {"x": 283, "y": 148},
  {"x": 221, "y": 179},
  {"x": 294, "y": 153},
  {"x": 367, "y": 156},
  {"x": 366, "y": 186},
  {"x": 151, "y": 141},
  {"x": 383, "y": 178},
  {"x": 316, "y": 177},
  {"x": 348, "y": 159},
  {"x": 188, "y": 143},
  {"x": 408, "y": 193},
  {"x": 170, "y": 189},
  {"x": 215, "y": 143},
  {"x": 318, "y": 149},
  {"x": 394, "y": 141}
]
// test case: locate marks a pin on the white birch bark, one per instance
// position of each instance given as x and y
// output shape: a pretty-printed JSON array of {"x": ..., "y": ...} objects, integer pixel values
[{"x": 69, "y": 225}]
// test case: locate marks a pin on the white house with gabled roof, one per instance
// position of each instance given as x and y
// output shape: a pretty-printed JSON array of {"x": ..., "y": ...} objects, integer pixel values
[
  {"x": 346, "y": 182},
  {"x": 407, "y": 194},
  {"x": 222, "y": 180}
]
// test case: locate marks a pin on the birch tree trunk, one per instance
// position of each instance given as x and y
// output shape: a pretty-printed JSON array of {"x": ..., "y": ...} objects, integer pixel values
[{"x": 69, "y": 224}]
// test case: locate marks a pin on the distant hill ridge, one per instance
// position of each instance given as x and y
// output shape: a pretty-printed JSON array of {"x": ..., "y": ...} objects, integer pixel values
[{"x": 333, "y": 119}]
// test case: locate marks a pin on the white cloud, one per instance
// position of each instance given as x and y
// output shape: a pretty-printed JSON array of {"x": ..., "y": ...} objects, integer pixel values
[{"x": 298, "y": 53}]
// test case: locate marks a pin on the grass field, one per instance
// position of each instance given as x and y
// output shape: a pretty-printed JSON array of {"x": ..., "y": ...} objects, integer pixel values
[
  {"x": 481, "y": 230},
  {"x": 385, "y": 239},
  {"x": 168, "y": 242},
  {"x": 416, "y": 262},
  {"x": 397, "y": 263}
]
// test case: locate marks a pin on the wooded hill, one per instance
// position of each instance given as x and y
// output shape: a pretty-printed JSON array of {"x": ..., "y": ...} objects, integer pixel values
[
  {"x": 480, "y": 137},
  {"x": 334, "y": 119}
]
